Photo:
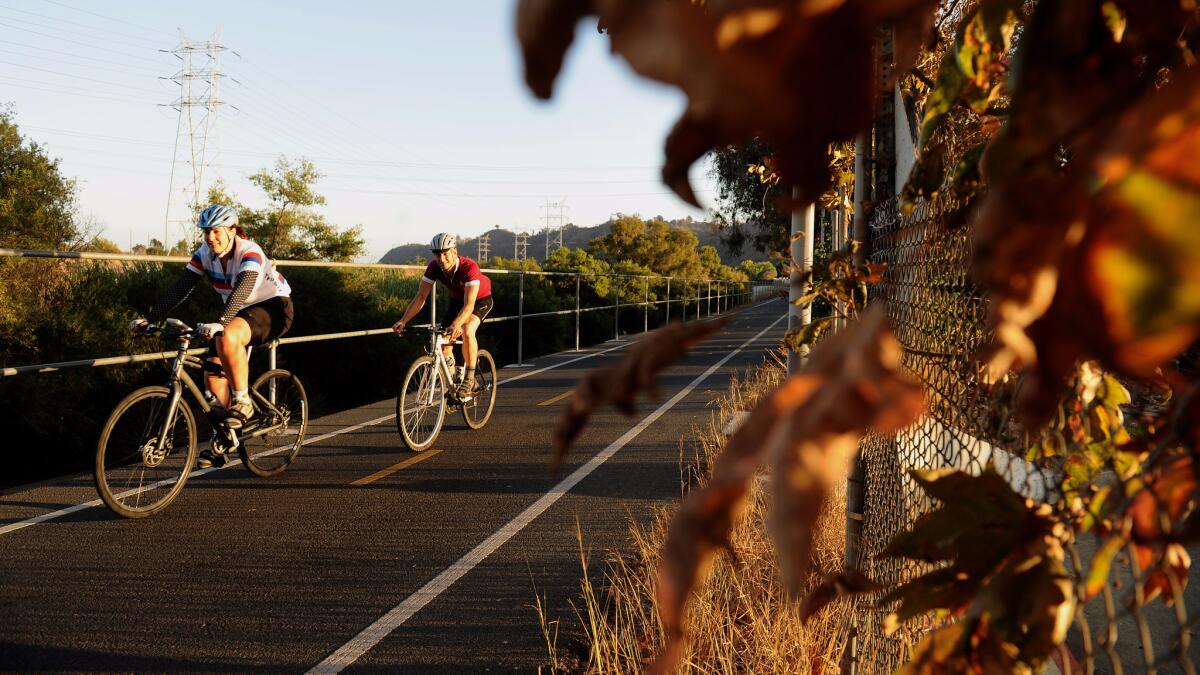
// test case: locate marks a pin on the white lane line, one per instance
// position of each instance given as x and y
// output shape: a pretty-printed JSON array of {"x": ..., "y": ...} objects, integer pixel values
[
  {"x": 559, "y": 365},
  {"x": 372, "y": 635},
  {"x": 76, "y": 508},
  {"x": 13, "y": 527}
]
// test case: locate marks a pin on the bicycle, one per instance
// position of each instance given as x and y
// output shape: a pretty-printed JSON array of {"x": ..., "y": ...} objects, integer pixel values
[
  {"x": 147, "y": 447},
  {"x": 428, "y": 391}
]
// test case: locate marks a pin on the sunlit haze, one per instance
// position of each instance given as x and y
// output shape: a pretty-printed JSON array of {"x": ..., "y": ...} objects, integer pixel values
[{"x": 416, "y": 113}]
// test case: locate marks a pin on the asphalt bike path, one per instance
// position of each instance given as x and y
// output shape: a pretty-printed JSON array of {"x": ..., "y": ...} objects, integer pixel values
[{"x": 286, "y": 573}]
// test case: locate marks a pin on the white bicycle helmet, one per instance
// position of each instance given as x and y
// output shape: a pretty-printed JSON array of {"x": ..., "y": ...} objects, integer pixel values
[
  {"x": 217, "y": 215},
  {"x": 442, "y": 241}
]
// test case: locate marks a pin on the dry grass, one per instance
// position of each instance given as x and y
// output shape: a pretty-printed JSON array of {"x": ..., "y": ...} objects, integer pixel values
[{"x": 739, "y": 621}]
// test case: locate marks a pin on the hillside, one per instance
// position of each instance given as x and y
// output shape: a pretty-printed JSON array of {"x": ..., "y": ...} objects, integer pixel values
[{"x": 502, "y": 241}]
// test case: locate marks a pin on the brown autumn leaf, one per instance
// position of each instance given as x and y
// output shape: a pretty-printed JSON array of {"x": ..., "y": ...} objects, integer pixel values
[
  {"x": 621, "y": 383},
  {"x": 1099, "y": 262},
  {"x": 1161, "y": 566},
  {"x": 545, "y": 29},
  {"x": 1169, "y": 494},
  {"x": 834, "y": 586},
  {"x": 808, "y": 428},
  {"x": 749, "y": 68}
]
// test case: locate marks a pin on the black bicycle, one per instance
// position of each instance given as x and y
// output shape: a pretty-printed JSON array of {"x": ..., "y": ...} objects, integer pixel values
[
  {"x": 148, "y": 446},
  {"x": 428, "y": 392}
]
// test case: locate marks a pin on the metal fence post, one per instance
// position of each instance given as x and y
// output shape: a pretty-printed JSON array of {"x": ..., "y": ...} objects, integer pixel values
[
  {"x": 668, "y": 319},
  {"x": 433, "y": 306},
  {"x": 271, "y": 364},
  {"x": 708, "y": 297},
  {"x": 577, "y": 287},
  {"x": 697, "y": 299},
  {"x": 616, "y": 309},
  {"x": 646, "y": 314},
  {"x": 521, "y": 320}
]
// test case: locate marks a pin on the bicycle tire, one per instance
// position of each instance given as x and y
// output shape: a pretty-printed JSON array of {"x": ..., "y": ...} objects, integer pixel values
[
  {"x": 118, "y": 454},
  {"x": 478, "y": 410},
  {"x": 422, "y": 391},
  {"x": 272, "y": 453}
]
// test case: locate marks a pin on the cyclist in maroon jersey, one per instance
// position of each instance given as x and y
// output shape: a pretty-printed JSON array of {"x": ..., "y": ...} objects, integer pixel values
[{"x": 470, "y": 301}]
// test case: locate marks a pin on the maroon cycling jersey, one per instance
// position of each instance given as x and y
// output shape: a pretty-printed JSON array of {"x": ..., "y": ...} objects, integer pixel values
[{"x": 467, "y": 273}]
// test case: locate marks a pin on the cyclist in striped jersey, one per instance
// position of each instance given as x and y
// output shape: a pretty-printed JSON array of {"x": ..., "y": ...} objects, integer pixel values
[{"x": 258, "y": 308}]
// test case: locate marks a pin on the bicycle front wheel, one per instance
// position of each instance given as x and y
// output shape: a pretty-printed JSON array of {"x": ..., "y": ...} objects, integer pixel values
[
  {"x": 142, "y": 462},
  {"x": 274, "y": 438},
  {"x": 421, "y": 405},
  {"x": 478, "y": 410}
]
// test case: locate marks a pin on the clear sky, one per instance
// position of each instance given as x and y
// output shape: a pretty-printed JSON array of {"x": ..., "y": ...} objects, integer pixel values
[{"x": 416, "y": 112}]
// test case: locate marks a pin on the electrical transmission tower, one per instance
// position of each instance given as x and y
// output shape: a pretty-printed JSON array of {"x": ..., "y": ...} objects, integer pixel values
[
  {"x": 554, "y": 216},
  {"x": 520, "y": 246},
  {"x": 484, "y": 245},
  {"x": 197, "y": 148}
]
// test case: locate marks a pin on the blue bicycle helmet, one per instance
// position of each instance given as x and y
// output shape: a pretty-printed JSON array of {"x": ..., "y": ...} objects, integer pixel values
[{"x": 217, "y": 215}]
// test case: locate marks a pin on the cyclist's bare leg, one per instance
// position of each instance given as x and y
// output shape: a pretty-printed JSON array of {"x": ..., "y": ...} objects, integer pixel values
[
  {"x": 217, "y": 384},
  {"x": 231, "y": 345},
  {"x": 470, "y": 344}
]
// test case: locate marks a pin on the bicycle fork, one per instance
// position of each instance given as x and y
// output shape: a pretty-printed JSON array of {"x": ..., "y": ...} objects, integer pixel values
[{"x": 173, "y": 399}]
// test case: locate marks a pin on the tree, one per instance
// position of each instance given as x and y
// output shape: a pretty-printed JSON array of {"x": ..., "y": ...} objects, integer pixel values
[
  {"x": 290, "y": 228},
  {"x": 747, "y": 197},
  {"x": 37, "y": 203},
  {"x": 577, "y": 260},
  {"x": 659, "y": 248},
  {"x": 758, "y": 271}
]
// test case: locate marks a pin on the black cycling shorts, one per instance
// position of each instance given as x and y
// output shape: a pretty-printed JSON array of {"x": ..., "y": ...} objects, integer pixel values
[
  {"x": 268, "y": 320},
  {"x": 483, "y": 307}
]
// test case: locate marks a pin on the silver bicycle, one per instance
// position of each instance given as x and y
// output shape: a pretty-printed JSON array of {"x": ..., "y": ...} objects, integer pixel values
[
  {"x": 148, "y": 446},
  {"x": 428, "y": 392}
]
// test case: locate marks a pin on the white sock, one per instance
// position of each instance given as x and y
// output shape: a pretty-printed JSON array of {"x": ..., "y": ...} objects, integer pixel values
[{"x": 241, "y": 393}]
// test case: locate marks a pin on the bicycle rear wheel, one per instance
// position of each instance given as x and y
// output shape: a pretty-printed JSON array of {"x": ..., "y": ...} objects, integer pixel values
[
  {"x": 281, "y": 407},
  {"x": 141, "y": 465},
  {"x": 421, "y": 405},
  {"x": 478, "y": 410}
]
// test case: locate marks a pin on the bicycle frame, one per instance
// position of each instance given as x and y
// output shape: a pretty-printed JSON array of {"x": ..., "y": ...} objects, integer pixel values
[
  {"x": 179, "y": 379},
  {"x": 437, "y": 340}
]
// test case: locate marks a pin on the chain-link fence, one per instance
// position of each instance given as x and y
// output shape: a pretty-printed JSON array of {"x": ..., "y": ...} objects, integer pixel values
[{"x": 939, "y": 316}]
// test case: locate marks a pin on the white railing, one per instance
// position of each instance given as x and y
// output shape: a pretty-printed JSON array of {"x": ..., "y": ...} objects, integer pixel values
[{"x": 723, "y": 300}]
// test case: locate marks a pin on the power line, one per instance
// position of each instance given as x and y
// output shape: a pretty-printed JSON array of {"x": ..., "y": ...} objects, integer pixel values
[
  {"x": 80, "y": 77},
  {"x": 327, "y": 174},
  {"x": 365, "y": 162},
  {"x": 90, "y": 35},
  {"x": 109, "y": 18},
  {"x": 65, "y": 62},
  {"x": 74, "y": 23},
  {"x": 72, "y": 91},
  {"x": 85, "y": 44},
  {"x": 56, "y": 51}
]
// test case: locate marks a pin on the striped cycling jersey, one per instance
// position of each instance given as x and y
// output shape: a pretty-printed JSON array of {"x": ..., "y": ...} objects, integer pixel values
[{"x": 247, "y": 257}]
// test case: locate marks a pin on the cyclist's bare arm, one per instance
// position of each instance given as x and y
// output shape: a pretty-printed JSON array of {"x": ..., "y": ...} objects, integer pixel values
[{"x": 418, "y": 302}]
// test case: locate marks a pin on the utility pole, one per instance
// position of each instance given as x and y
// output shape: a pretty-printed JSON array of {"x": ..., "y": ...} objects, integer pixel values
[
  {"x": 802, "y": 259},
  {"x": 520, "y": 246},
  {"x": 197, "y": 148},
  {"x": 553, "y": 218},
  {"x": 483, "y": 244}
]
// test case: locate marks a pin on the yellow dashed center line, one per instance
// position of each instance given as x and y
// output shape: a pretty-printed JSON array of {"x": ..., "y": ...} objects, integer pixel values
[
  {"x": 384, "y": 473},
  {"x": 558, "y": 398}
]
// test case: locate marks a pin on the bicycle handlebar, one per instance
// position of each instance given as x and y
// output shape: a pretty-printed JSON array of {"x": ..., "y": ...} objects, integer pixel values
[{"x": 174, "y": 328}]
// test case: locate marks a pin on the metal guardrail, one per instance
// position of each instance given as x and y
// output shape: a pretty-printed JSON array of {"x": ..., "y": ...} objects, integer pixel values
[{"x": 724, "y": 301}]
